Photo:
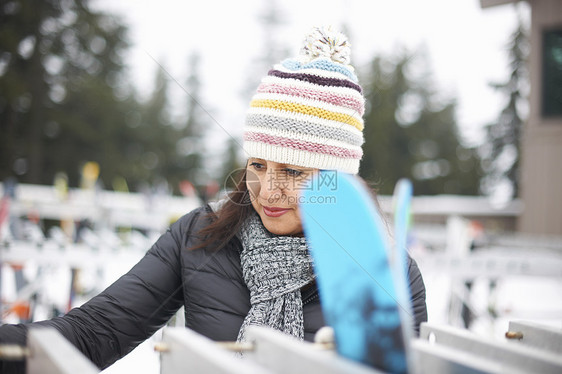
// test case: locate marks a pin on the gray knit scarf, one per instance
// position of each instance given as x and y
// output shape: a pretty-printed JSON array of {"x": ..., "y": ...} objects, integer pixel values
[{"x": 274, "y": 268}]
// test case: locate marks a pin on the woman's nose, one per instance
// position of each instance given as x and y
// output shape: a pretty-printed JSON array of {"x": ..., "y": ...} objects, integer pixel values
[{"x": 274, "y": 181}]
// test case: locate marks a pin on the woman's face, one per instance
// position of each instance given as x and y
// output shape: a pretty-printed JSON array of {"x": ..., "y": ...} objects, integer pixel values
[{"x": 275, "y": 191}]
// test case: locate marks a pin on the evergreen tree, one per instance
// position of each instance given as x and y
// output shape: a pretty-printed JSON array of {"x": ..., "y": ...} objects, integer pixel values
[
  {"x": 190, "y": 147},
  {"x": 502, "y": 150},
  {"x": 409, "y": 134},
  {"x": 157, "y": 136},
  {"x": 63, "y": 98},
  {"x": 385, "y": 150},
  {"x": 172, "y": 149}
]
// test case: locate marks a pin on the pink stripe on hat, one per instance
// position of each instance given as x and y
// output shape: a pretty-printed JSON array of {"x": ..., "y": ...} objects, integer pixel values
[
  {"x": 329, "y": 97},
  {"x": 303, "y": 145}
]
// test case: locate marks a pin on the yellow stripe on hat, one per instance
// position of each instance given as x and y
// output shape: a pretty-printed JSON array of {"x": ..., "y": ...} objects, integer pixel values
[{"x": 310, "y": 110}]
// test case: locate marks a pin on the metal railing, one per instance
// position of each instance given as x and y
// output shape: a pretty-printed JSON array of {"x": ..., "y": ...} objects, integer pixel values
[{"x": 528, "y": 348}]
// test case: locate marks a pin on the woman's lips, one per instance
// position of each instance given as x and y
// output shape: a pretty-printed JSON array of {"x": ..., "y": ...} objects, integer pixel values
[{"x": 274, "y": 212}]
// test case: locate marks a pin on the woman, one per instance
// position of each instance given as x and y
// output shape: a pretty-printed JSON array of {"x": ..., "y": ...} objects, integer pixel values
[{"x": 244, "y": 260}]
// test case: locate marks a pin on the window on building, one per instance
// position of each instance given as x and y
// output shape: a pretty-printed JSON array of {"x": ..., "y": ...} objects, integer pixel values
[{"x": 552, "y": 73}]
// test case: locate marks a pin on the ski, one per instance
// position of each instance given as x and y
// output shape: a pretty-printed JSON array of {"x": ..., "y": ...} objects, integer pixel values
[{"x": 398, "y": 257}]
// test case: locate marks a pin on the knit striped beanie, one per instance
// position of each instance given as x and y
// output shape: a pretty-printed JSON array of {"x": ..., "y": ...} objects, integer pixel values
[{"x": 308, "y": 110}]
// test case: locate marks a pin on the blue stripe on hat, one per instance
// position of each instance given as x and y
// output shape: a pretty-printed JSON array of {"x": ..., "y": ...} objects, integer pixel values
[{"x": 319, "y": 63}]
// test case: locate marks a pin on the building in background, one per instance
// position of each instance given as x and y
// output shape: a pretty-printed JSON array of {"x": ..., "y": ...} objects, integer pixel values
[{"x": 541, "y": 167}]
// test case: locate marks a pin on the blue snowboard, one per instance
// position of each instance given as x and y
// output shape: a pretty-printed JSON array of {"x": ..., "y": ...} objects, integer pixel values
[{"x": 348, "y": 242}]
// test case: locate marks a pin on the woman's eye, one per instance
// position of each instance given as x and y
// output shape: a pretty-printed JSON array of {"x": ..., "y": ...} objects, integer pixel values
[
  {"x": 257, "y": 165},
  {"x": 293, "y": 172}
]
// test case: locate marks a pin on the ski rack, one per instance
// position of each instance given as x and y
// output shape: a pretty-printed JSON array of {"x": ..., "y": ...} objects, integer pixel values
[
  {"x": 493, "y": 263},
  {"x": 446, "y": 349},
  {"x": 529, "y": 348},
  {"x": 151, "y": 212},
  {"x": 270, "y": 351}
]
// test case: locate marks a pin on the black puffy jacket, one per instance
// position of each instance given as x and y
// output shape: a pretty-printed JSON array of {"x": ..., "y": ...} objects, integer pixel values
[{"x": 208, "y": 283}]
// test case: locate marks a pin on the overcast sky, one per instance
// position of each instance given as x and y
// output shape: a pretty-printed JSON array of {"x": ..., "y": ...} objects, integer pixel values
[{"x": 466, "y": 45}]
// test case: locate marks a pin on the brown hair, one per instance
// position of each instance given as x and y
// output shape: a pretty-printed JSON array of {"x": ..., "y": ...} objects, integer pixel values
[{"x": 226, "y": 222}]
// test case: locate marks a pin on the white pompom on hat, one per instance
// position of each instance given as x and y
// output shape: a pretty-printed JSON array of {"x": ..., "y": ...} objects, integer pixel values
[{"x": 324, "y": 42}]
